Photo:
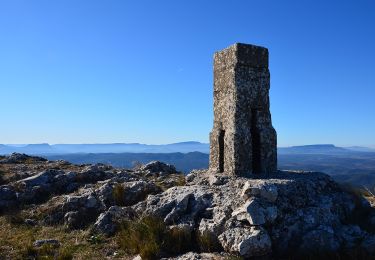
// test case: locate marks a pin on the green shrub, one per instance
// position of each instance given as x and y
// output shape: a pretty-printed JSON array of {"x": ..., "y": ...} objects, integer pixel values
[{"x": 118, "y": 194}]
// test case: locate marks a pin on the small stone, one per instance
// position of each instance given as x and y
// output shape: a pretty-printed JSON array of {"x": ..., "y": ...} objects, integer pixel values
[
  {"x": 41, "y": 242},
  {"x": 30, "y": 222}
]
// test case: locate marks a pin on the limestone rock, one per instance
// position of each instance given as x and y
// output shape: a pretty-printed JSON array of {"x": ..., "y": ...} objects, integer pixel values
[
  {"x": 260, "y": 188},
  {"x": 248, "y": 242},
  {"x": 156, "y": 167},
  {"x": 255, "y": 213},
  {"x": 108, "y": 222},
  {"x": 42, "y": 179},
  {"x": 177, "y": 204}
]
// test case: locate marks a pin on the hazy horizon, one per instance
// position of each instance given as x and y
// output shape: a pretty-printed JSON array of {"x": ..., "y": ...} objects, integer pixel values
[{"x": 307, "y": 144}]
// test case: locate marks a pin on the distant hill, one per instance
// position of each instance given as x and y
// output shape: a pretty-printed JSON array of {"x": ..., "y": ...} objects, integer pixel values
[
  {"x": 360, "y": 149},
  {"x": 313, "y": 149},
  {"x": 42, "y": 149}
]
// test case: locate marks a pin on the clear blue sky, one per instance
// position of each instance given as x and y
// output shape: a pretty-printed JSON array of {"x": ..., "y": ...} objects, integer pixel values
[{"x": 141, "y": 71}]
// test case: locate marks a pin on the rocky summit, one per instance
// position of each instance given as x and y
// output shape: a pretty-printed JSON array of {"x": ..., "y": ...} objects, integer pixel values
[{"x": 93, "y": 210}]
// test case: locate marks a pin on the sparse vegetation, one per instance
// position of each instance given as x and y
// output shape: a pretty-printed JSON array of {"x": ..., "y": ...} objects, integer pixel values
[
  {"x": 151, "y": 238},
  {"x": 174, "y": 180},
  {"x": 145, "y": 237},
  {"x": 118, "y": 194},
  {"x": 208, "y": 243}
]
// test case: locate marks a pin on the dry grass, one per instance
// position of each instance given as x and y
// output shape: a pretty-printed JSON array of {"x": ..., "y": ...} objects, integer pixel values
[
  {"x": 170, "y": 180},
  {"x": 16, "y": 242},
  {"x": 208, "y": 243},
  {"x": 151, "y": 238},
  {"x": 119, "y": 194}
]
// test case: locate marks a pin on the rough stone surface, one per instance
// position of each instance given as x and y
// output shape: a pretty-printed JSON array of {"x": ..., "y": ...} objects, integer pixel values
[
  {"x": 177, "y": 205},
  {"x": 156, "y": 167},
  {"x": 260, "y": 188},
  {"x": 248, "y": 242},
  {"x": 109, "y": 221},
  {"x": 242, "y": 140}
]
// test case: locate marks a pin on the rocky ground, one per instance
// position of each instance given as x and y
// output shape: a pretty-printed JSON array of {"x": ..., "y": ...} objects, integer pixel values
[{"x": 57, "y": 210}]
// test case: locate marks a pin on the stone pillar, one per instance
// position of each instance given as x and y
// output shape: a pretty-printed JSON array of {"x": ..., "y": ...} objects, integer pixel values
[{"x": 242, "y": 140}]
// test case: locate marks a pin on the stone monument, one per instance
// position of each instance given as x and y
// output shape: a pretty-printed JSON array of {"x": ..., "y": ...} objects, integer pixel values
[{"x": 242, "y": 141}]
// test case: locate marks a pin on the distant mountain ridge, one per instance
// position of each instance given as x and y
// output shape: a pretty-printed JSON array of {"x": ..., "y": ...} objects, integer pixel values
[
  {"x": 181, "y": 147},
  {"x": 313, "y": 149},
  {"x": 44, "y": 148}
]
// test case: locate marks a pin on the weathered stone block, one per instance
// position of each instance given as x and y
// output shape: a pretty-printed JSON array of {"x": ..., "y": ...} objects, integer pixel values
[{"x": 242, "y": 140}]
